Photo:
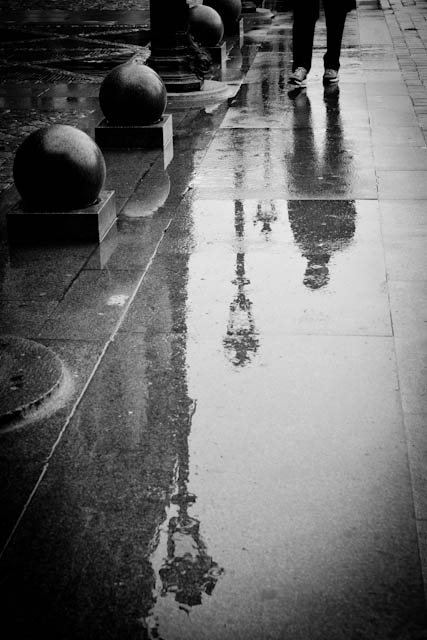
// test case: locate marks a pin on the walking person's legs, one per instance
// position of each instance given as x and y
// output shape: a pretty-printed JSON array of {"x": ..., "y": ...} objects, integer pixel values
[
  {"x": 305, "y": 16},
  {"x": 335, "y": 21}
]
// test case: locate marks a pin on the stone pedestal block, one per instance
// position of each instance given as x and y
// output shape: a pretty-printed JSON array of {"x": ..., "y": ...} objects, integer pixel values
[
  {"x": 83, "y": 225},
  {"x": 248, "y": 7},
  {"x": 218, "y": 54},
  {"x": 168, "y": 154},
  {"x": 235, "y": 28},
  {"x": 100, "y": 257},
  {"x": 151, "y": 136}
]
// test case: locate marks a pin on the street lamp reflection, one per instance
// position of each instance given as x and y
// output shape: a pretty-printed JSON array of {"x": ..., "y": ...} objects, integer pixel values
[{"x": 241, "y": 340}]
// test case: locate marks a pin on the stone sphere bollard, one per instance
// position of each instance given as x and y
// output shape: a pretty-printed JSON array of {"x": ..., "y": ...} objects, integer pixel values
[
  {"x": 229, "y": 10},
  {"x": 206, "y": 25},
  {"x": 132, "y": 94},
  {"x": 58, "y": 168}
]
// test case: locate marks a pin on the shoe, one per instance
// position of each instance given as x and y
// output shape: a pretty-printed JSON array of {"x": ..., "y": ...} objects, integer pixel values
[
  {"x": 298, "y": 77},
  {"x": 330, "y": 76}
]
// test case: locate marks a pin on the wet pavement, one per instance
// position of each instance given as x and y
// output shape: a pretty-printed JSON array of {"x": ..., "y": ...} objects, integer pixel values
[{"x": 240, "y": 449}]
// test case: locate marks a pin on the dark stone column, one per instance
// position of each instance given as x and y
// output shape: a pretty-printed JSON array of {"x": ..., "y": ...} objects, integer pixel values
[{"x": 170, "y": 53}]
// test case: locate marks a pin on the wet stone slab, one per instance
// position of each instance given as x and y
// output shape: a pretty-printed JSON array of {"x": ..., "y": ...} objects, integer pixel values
[
  {"x": 401, "y": 185},
  {"x": 401, "y": 136},
  {"x": 300, "y": 163},
  {"x": 261, "y": 104},
  {"x": 92, "y": 306},
  {"x": 35, "y": 284},
  {"x": 404, "y": 224},
  {"x": 284, "y": 266},
  {"x": 134, "y": 242},
  {"x": 24, "y": 318},
  {"x": 395, "y": 158}
]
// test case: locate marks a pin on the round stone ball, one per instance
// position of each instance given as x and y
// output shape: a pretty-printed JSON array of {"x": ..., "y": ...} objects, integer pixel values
[
  {"x": 229, "y": 10},
  {"x": 132, "y": 94},
  {"x": 206, "y": 25},
  {"x": 58, "y": 168}
]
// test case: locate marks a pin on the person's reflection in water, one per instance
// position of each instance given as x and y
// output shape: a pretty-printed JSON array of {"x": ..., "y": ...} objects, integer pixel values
[
  {"x": 241, "y": 341},
  {"x": 320, "y": 227}
]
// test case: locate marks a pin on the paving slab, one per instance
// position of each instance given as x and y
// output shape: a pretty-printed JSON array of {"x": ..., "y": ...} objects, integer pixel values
[
  {"x": 404, "y": 232},
  {"x": 296, "y": 163}
]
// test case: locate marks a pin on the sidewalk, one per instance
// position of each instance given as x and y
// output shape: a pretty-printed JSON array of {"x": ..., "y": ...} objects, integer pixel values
[{"x": 237, "y": 448}]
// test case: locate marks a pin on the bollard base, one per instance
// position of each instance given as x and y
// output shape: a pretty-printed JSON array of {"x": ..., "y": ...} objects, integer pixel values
[
  {"x": 236, "y": 29},
  {"x": 248, "y": 7},
  {"x": 213, "y": 92},
  {"x": 218, "y": 54},
  {"x": 151, "y": 136},
  {"x": 45, "y": 227}
]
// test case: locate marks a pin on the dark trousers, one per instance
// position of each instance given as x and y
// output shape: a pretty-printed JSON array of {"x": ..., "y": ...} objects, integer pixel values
[{"x": 306, "y": 13}]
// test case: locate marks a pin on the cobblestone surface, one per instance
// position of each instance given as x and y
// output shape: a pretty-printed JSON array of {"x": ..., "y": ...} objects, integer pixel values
[
  {"x": 407, "y": 22},
  {"x": 75, "y": 5},
  {"x": 35, "y": 58}
]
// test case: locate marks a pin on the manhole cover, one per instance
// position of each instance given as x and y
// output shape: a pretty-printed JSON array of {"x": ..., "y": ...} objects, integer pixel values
[{"x": 29, "y": 373}]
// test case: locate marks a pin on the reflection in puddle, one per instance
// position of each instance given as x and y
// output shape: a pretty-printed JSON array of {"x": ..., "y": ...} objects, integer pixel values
[
  {"x": 184, "y": 571},
  {"x": 320, "y": 231},
  {"x": 150, "y": 195},
  {"x": 241, "y": 341}
]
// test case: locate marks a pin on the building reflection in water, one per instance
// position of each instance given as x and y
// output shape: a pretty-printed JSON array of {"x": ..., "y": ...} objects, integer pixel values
[
  {"x": 183, "y": 571},
  {"x": 187, "y": 571},
  {"x": 320, "y": 227}
]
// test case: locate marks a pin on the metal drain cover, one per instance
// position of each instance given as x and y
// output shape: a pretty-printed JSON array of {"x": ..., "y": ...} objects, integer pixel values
[{"x": 29, "y": 373}]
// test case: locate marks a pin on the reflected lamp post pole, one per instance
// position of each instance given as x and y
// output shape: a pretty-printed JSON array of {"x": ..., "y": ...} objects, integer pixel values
[
  {"x": 170, "y": 46},
  {"x": 241, "y": 341}
]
